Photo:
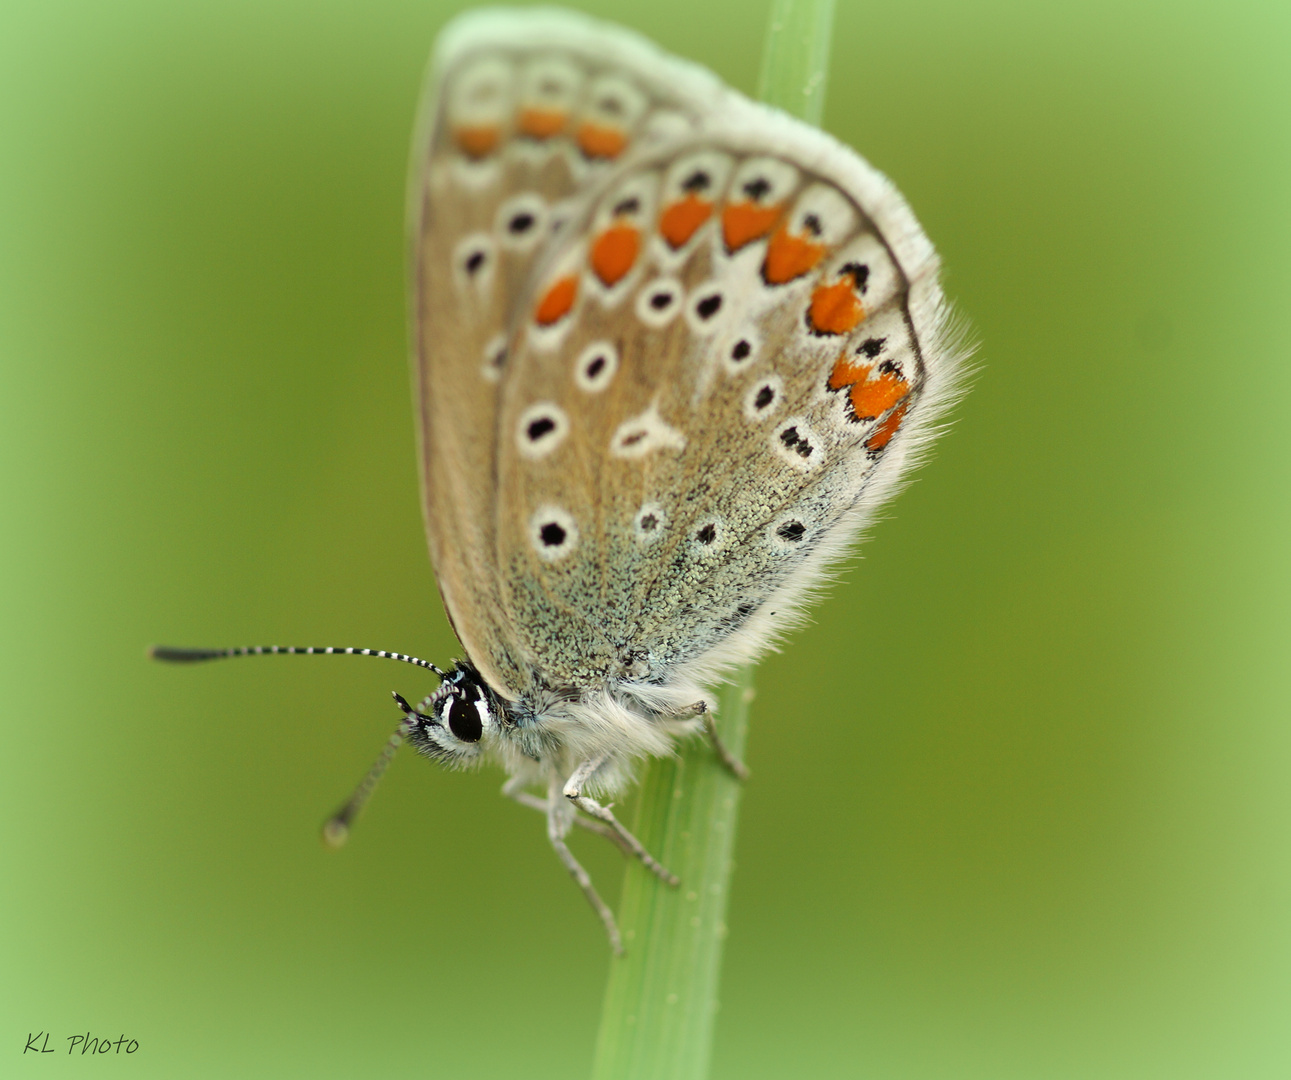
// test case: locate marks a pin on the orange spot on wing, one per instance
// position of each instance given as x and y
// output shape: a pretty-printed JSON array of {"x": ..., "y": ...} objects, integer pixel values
[
  {"x": 557, "y": 301},
  {"x": 874, "y": 398},
  {"x": 478, "y": 140},
  {"x": 541, "y": 123},
  {"x": 872, "y": 395},
  {"x": 886, "y": 430},
  {"x": 790, "y": 256},
  {"x": 846, "y": 373},
  {"x": 614, "y": 252},
  {"x": 744, "y": 222},
  {"x": 679, "y": 221},
  {"x": 601, "y": 140},
  {"x": 835, "y": 309}
]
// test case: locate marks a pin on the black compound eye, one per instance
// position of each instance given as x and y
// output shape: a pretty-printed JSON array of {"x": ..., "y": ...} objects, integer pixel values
[{"x": 464, "y": 720}]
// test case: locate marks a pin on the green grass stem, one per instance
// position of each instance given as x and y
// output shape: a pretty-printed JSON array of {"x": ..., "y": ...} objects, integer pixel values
[
  {"x": 795, "y": 57},
  {"x": 661, "y": 1001}
]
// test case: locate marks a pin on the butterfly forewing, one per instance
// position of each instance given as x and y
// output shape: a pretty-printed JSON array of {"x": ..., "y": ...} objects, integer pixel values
[
  {"x": 746, "y": 352},
  {"x": 525, "y": 114}
]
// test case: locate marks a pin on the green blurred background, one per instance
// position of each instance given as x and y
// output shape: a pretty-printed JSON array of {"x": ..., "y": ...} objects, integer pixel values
[{"x": 1021, "y": 804}]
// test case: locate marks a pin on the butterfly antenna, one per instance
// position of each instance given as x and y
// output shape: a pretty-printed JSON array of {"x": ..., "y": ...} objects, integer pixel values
[
  {"x": 173, "y": 655},
  {"x": 336, "y": 830}
]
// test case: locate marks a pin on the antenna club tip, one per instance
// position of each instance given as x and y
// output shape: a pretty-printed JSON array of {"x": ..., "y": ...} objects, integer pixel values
[
  {"x": 150, "y": 652},
  {"x": 335, "y": 833}
]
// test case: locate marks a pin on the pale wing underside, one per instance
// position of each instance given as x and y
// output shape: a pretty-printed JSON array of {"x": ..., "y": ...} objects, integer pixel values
[
  {"x": 524, "y": 113},
  {"x": 721, "y": 367}
]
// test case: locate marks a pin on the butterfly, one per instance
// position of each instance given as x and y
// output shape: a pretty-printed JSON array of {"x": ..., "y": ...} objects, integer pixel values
[{"x": 672, "y": 349}]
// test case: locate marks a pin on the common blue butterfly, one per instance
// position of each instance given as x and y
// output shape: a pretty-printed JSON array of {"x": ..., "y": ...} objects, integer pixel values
[{"x": 673, "y": 348}]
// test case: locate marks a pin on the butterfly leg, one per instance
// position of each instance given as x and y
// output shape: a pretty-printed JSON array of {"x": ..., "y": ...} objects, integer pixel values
[
  {"x": 738, "y": 769},
  {"x": 574, "y": 793},
  {"x": 514, "y": 789},
  {"x": 559, "y": 819}
]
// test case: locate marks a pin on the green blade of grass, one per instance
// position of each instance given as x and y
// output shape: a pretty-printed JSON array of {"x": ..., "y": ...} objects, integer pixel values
[
  {"x": 661, "y": 1000},
  {"x": 795, "y": 58},
  {"x": 657, "y": 1019}
]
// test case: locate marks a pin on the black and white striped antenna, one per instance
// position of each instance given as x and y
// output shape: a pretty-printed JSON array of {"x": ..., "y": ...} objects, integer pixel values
[
  {"x": 336, "y": 829},
  {"x": 173, "y": 655}
]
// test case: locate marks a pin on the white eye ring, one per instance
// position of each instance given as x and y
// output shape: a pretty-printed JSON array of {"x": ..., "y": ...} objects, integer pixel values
[
  {"x": 797, "y": 444},
  {"x": 553, "y": 533},
  {"x": 473, "y": 261},
  {"x": 645, "y": 433},
  {"x": 659, "y": 301},
  {"x": 541, "y": 429},
  {"x": 707, "y": 538},
  {"x": 787, "y": 534},
  {"x": 740, "y": 352},
  {"x": 649, "y": 523},
  {"x": 705, "y": 312},
  {"x": 595, "y": 367},
  {"x": 763, "y": 398},
  {"x": 522, "y": 222},
  {"x": 495, "y": 357}
]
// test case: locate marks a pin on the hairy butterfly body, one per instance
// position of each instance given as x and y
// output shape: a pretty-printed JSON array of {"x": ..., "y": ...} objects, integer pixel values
[{"x": 672, "y": 350}]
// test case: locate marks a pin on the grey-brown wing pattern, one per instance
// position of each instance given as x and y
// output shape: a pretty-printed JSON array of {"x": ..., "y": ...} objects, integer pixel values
[
  {"x": 525, "y": 111},
  {"x": 720, "y": 369}
]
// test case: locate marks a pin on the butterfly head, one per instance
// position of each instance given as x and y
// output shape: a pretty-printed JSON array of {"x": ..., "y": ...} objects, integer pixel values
[{"x": 456, "y": 723}]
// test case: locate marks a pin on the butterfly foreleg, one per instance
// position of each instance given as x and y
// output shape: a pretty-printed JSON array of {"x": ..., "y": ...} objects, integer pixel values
[
  {"x": 573, "y": 791},
  {"x": 700, "y": 708},
  {"x": 514, "y": 789},
  {"x": 559, "y": 819},
  {"x": 738, "y": 769}
]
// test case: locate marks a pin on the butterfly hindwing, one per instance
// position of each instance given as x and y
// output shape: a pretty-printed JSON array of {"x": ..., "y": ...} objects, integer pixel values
[{"x": 719, "y": 370}]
